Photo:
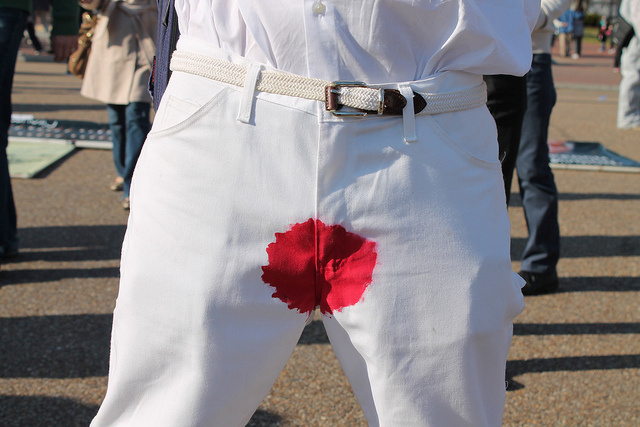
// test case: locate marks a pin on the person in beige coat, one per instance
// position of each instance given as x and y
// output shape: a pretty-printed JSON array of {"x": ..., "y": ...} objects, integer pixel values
[{"x": 118, "y": 73}]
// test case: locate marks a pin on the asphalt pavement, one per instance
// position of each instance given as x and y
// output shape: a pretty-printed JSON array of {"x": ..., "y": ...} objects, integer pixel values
[{"x": 575, "y": 358}]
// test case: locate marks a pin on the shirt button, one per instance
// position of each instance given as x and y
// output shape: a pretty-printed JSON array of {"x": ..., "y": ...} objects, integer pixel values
[{"x": 319, "y": 8}]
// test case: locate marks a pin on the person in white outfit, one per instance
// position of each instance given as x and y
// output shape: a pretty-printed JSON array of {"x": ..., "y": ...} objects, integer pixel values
[
  {"x": 267, "y": 190},
  {"x": 629, "y": 93}
]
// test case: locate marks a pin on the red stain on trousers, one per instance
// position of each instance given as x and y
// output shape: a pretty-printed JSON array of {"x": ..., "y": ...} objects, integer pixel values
[{"x": 315, "y": 265}]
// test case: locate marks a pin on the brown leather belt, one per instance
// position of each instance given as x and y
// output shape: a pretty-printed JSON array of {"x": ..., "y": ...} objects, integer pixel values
[{"x": 391, "y": 101}]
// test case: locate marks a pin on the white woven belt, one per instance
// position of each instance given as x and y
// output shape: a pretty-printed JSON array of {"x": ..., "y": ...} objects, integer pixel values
[{"x": 356, "y": 95}]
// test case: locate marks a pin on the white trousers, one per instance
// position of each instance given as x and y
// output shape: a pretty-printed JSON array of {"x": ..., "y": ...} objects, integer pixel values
[
  {"x": 238, "y": 231},
  {"x": 629, "y": 93}
]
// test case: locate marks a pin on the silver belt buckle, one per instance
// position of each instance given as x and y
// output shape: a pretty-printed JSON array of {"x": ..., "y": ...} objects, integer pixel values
[{"x": 332, "y": 93}]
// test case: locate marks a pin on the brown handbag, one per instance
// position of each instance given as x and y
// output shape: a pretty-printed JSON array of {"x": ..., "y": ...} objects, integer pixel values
[{"x": 78, "y": 59}]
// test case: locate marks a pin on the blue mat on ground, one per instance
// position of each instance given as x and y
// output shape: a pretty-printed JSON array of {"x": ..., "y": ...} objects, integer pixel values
[
  {"x": 588, "y": 156},
  {"x": 79, "y": 133},
  {"x": 28, "y": 158}
]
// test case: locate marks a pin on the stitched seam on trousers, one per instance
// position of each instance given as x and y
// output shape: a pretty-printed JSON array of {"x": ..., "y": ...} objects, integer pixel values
[
  {"x": 316, "y": 291},
  {"x": 453, "y": 144},
  {"x": 209, "y": 106},
  {"x": 317, "y": 215}
]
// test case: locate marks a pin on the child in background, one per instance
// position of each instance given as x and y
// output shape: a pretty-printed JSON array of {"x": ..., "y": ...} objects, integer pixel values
[{"x": 604, "y": 32}]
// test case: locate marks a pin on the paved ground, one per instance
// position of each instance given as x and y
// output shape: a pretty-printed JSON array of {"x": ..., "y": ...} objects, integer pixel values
[{"x": 575, "y": 358}]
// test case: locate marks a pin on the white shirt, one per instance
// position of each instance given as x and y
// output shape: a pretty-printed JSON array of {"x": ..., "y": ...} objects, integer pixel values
[
  {"x": 375, "y": 41},
  {"x": 550, "y": 10}
]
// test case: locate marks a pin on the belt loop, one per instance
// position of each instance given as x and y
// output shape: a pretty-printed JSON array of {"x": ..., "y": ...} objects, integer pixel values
[
  {"x": 248, "y": 94},
  {"x": 408, "y": 114}
]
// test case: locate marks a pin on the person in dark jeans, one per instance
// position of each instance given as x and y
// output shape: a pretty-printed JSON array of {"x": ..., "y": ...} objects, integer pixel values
[
  {"x": 129, "y": 126},
  {"x": 13, "y": 21},
  {"x": 537, "y": 184},
  {"x": 521, "y": 107},
  {"x": 12, "y": 25}
]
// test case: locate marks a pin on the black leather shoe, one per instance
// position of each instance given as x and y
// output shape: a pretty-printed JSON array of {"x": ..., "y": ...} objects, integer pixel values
[{"x": 539, "y": 283}]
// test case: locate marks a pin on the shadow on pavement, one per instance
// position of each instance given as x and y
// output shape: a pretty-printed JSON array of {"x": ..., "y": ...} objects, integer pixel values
[
  {"x": 575, "y": 328},
  {"x": 264, "y": 419},
  {"x": 77, "y": 346},
  {"x": 22, "y": 108},
  {"x": 38, "y": 74},
  {"x": 573, "y": 364},
  {"x": 314, "y": 333},
  {"x": 597, "y": 196},
  {"x": 72, "y": 346},
  {"x": 92, "y": 239},
  {"x": 69, "y": 346},
  {"x": 37, "y": 411},
  {"x": 604, "y": 284},
  {"x": 64, "y": 244},
  {"x": 42, "y": 411},
  {"x": 15, "y": 277},
  {"x": 587, "y": 246}
]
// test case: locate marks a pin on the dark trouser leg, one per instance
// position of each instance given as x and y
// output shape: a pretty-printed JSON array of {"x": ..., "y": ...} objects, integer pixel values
[
  {"x": 577, "y": 45},
  {"x": 118, "y": 135},
  {"x": 537, "y": 185},
  {"x": 33, "y": 37},
  {"x": 12, "y": 24},
  {"x": 138, "y": 126},
  {"x": 507, "y": 102}
]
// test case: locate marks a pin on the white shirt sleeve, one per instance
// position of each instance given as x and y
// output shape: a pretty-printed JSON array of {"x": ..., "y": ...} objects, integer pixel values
[
  {"x": 552, "y": 9},
  {"x": 630, "y": 10}
]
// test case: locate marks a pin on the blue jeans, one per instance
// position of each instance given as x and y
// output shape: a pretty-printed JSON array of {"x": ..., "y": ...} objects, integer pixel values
[
  {"x": 12, "y": 25},
  {"x": 537, "y": 185},
  {"x": 129, "y": 126}
]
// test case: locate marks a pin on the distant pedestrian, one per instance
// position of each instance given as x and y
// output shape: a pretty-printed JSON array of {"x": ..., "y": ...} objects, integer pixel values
[
  {"x": 33, "y": 37},
  {"x": 577, "y": 33},
  {"x": 118, "y": 73},
  {"x": 41, "y": 12},
  {"x": 564, "y": 24},
  {"x": 603, "y": 33}
]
